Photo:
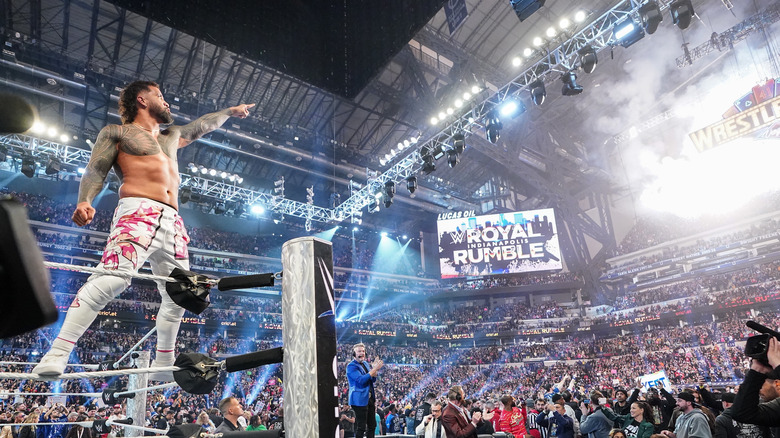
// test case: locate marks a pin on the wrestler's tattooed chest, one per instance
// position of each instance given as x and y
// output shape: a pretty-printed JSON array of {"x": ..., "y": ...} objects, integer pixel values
[{"x": 140, "y": 143}]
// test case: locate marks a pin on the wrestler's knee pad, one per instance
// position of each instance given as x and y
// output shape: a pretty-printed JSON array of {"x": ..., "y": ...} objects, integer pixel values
[{"x": 99, "y": 290}]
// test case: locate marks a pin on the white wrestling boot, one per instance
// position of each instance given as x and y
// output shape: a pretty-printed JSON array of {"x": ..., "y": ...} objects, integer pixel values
[
  {"x": 162, "y": 376},
  {"x": 52, "y": 364}
]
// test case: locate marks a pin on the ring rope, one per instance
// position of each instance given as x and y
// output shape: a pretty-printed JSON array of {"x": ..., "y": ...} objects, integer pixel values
[
  {"x": 149, "y": 388},
  {"x": 134, "y": 347},
  {"x": 89, "y": 367},
  {"x": 89, "y": 374},
  {"x": 90, "y": 424},
  {"x": 86, "y": 269}
]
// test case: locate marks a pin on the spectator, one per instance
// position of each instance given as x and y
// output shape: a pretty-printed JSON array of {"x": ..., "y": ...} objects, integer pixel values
[{"x": 693, "y": 423}]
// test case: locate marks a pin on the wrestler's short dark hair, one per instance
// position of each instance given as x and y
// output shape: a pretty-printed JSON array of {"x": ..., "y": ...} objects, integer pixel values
[{"x": 128, "y": 99}]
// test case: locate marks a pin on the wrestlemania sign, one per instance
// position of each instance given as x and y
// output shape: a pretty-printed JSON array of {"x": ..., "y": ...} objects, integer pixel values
[
  {"x": 757, "y": 113},
  {"x": 501, "y": 243}
]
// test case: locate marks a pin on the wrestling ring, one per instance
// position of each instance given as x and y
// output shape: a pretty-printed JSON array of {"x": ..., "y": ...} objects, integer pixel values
[{"x": 308, "y": 356}]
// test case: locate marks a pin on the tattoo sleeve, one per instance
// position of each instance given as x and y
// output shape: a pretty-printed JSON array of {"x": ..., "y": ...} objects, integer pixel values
[
  {"x": 204, "y": 124},
  {"x": 103, "y": 157}
]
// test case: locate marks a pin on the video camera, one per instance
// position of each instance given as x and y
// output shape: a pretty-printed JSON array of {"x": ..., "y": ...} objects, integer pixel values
[{"x": 756, "y": 347}]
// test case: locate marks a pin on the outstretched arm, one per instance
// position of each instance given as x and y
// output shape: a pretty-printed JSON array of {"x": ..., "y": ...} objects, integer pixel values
[
  {"x": 209, "y": 122},
  {"x": 103, "y": 157}
]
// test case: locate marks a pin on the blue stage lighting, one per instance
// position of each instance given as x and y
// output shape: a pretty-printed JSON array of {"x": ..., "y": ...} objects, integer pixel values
[
  {"x": 628, "y": 32},
  {"x": 508, "y": 108}
]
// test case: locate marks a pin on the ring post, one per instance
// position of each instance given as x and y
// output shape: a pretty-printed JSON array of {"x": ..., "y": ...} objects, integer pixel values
[
  {"x": 136, "y": 407},
  {"x": 309, "y": 336}
]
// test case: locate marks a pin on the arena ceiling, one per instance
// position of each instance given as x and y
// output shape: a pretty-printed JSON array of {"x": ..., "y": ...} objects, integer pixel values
[{"x": 338, "y": 87}]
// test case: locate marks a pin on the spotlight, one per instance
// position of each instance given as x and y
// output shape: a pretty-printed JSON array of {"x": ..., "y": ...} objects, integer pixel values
[
  {"x": 373, "y": 207},
  {"x": 628, "y": 32},
  {"x": 511, "y": 108},
  {"x": 682, "y": 13},
  {"x": 185, "y": 194},
  {"x": 53, "y": 166},
  {"x": 240, "y": 209},
  {"x": 278, "y": 217},
  {"x": 651, "y": 16},
  {"x": 588, "y": 58},
  {"x": 538, "y": 93},
  {"x": 334, "y": 200},
  {"x": 426, "y": 152},
  {"x": 493, "y": 127},
  {"x": 219, "y": 208},
  {"x": 390, "y": 188},
  {"x": 453, "y": 158},
  {"x": 570, "y": 87},
  {"x": 459, "y": 142},
  {"x": 257, "y": 210},
  {"x": 388, "y": 200},
  {"x": 526, "y": 8},
  {"x": 28, "y": 166},
  {"x": 411, "y": 183},
  {"x": 279, "y": 187}
]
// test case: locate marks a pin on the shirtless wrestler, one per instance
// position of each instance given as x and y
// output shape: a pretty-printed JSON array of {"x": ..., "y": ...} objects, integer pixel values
[{"x": 146, "y": 223}]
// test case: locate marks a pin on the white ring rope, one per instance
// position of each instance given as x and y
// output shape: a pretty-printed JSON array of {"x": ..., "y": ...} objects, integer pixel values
[
  {"x": 95, "y": 394},
  {"x": 90, "y": 423},
  {"x": 89, "y": 374},
  {"x": 86, "y": 269},
  {"x": 89, "y": 367}
]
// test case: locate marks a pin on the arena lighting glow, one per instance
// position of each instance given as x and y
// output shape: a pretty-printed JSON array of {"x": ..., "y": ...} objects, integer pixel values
[
  {"x": 528, "y": 52},
  {"x": 257, "y": 210},
  {"x": 580, "y": 16},
  {"x": 628, "y": 33},
  {"x": 694, "y": 186}
]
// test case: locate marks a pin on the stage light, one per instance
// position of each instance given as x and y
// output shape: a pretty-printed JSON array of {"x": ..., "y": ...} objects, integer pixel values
[
  {"x": 628, "y": 33},
  {"x": 383, "y": 234},
  {"x": 525, "y": 8},
  {"x": 240, "y": 209},
  {"x": 493, "y": 127},
  {"x": 453, "y": 158},
  {"x": 528, "y": 52},
  {"x": 551, "y": 32},
  {"x": 428, "y": 164},
  {"x": 257, "y": 210},
  {"x": 81, "y": 170},
  {"x": 51, "y": 132},
  {"x": 38, "y": 128},
  {"x": 64, "y": 138},
  {"x": 682, "y": 13},
  {"x": 538, "y": 41},
  {"x": 388, "y": 200},
  {"x": 28, "y": 166},
  {"x": 588, "y": 58},
  {"x": 516, "y": 61},
  {"x": 213, "y": 172},
  {"x": 442, "y": 116},
  {"x": 373, "y": 206},
  {"x": 355, "y": 229},
  {"x": 390, "y": 188},
  {"x": 223, "y": 174},
  {"x": 511, "y": 108},
  {"x": 219, "y": 208},
  {"x": 538, "y": 93},
  {"x": 570, "y": 87},
  {"x": 475, "y": 89},
  {"x": 405, "y": 236},
  {"x": 279, "y": 187},
  {"x": 459, "y": 142},
  {"x": 53, "y": 166},
  {"x": 185, "y": 194},
  {"x": 203, "y": 170},
  {"x": 411, "y": 183},
  {"x": 466, "y": 95},
  {"x": 278, "y": 217},
  {"x": 564, "y": 23},
  {"x": 434, "y": 120},
  {"x": 651, "y": 16},
  {"x": 580, "y": 16}
]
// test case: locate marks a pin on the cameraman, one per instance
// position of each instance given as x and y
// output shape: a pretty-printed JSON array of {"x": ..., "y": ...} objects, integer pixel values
[{"x": 764, "y": 382}]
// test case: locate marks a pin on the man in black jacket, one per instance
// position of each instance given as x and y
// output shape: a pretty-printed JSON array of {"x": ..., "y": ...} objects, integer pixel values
[
  {"x": 726, "y": 427},
  {"x": 761, "y": 381}
]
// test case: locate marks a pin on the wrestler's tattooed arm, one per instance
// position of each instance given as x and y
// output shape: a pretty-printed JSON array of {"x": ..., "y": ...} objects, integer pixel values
[
  {"x": 103, "y": 157},
  {"x": 205, "y": 124}
]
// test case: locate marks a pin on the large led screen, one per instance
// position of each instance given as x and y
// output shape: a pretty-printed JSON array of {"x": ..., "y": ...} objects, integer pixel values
[{"x": 502, "y": 243}]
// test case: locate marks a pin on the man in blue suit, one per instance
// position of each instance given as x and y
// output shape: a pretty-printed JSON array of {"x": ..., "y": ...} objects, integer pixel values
[{"x": 361, "y": 390}]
